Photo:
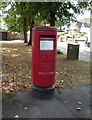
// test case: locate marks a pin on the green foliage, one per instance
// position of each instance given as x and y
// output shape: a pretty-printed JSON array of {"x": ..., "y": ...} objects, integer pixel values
[
  {"x": 51, "y": 11},
  {"x": 57, "y": 11},
  {"x": 79, "y": 35},
  {"x": 88, "y": 44},
  {"x": 69, "y": 36},
  {"x": 39, "y": 21},
  {"x": 87, "y": 20},
  {"x": 21, "y": 16},
  {"x": 13, "y": 17},
  {"x": 13, "y": 23},
  {"x": 60, "y": 30},
  {"x": 59, "y": 51}
]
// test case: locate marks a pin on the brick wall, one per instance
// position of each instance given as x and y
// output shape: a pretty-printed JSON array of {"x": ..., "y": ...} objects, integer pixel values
[{"x": 11, "y": 36}]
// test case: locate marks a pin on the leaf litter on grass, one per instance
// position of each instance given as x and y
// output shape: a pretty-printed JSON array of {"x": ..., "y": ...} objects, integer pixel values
[{"x": 16, "y": 69}]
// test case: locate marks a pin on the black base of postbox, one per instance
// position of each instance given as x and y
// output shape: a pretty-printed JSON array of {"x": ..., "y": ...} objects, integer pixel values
[{"x": 43, "y": 89}]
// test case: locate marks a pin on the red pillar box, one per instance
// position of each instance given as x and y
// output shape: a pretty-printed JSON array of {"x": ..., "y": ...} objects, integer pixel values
[{"x": 43, "y": 57}]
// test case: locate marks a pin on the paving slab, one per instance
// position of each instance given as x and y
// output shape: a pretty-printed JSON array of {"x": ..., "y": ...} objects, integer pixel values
[{"x": 72, "y": 102}]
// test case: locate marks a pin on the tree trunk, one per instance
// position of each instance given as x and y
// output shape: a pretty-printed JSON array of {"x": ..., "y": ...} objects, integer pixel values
[
  {"x": 31, "y": 26},
  {"x": 25, "y": 30},
  {"x": 60, "y": 27},
  {"x": 52, "y": 18}
]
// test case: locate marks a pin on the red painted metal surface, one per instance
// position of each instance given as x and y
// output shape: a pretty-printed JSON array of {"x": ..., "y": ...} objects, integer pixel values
[{"x": 43, "y": 60}]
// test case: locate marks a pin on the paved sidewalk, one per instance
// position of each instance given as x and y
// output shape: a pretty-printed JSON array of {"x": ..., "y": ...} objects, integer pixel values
[
  {"x": 12, "y": 41},
  {"x": 62, "y": 103}
]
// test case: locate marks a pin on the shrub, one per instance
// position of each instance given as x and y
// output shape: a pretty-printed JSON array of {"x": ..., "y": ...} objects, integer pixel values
[
  {"x": 60, "y": 30},
  {"x": 59, "y": 51}
]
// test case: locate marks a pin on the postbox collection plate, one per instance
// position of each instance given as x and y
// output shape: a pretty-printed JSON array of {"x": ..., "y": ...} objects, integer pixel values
[{"x": 46, "y": 45}]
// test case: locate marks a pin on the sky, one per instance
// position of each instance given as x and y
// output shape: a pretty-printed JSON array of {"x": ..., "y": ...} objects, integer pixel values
[{"x": 85, "y": 15}]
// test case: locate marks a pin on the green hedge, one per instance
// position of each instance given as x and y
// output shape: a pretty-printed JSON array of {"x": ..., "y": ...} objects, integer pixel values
[{"x": 59, "y": 51}]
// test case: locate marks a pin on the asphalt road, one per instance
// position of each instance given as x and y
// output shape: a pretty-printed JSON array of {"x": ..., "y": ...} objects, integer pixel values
[{"x": 84, "y": 52}]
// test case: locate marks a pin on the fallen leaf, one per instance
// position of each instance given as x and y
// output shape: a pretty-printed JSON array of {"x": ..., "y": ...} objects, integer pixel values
[
  {"x": 79, "y": 103},
  {"x": 78, "y": 108},
  {"x": 16, "y": 116},
  {"x": 25, "y": 108}
]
